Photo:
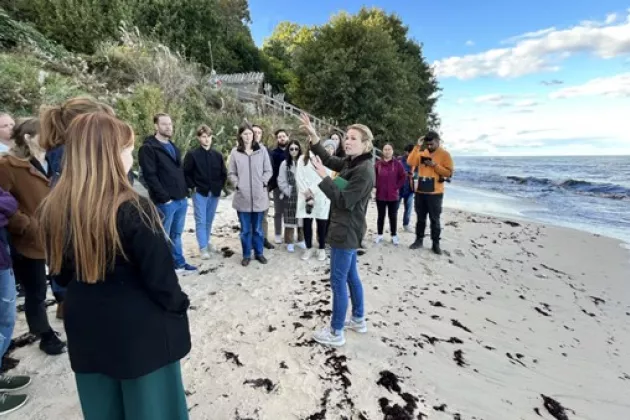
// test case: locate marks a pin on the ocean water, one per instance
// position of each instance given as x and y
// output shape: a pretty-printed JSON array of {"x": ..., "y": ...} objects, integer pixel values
[{"x": 586, "y": 193}]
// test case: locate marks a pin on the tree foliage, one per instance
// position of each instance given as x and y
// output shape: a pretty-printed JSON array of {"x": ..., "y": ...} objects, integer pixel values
[
  {"x": 191, "y": 27},
  {"x": 279, "y": 54},
  {"x": 355, "y": 68},
  {"x": 364, "y": 68}
]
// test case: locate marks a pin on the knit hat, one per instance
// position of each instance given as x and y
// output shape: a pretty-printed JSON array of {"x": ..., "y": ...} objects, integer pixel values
[{"x": 330, "y": 143}]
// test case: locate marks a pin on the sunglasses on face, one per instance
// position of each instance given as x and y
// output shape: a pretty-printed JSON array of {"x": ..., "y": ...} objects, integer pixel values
[{"x": 293, "y": 149}]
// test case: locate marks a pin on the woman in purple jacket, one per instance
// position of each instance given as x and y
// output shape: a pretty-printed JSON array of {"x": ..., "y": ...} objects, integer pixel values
[
  {"x": 8, "y": 402},
  {"x": 390, "y": 177}
]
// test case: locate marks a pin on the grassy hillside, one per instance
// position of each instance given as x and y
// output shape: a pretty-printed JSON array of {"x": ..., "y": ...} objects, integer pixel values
[{"x": 135, "y": 75}]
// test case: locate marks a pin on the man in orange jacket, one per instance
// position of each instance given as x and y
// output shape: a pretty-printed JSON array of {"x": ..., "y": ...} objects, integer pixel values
[{"x": 434, "y": 166}]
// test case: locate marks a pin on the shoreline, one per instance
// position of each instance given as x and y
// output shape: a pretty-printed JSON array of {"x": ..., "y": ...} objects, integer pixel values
[
  {"x": 518, "y": 214},
  {"x": 511, "y": 312}
]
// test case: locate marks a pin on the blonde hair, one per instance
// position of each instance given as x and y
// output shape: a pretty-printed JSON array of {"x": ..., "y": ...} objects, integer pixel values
[
  {"x": 25, "y": 127},
  {"x": 79, "y": 216},
  {"x": 56, "y": 119},
  {"x": 367, "y": 137}
]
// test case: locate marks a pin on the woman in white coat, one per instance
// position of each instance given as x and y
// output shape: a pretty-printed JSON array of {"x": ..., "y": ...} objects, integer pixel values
[{"x": 312, "y": 204}]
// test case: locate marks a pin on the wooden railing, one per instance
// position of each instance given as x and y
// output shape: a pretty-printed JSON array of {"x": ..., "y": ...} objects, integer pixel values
[
  {"x": 266, "y": 103},
  {"x": 286, "y": 109}
]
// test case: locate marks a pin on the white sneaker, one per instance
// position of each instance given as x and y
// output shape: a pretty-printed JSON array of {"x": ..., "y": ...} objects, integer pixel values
[
  {"x": 378, "y": 239},
  {"x": 408, "y": 229},
  {"x": 321, "y": 255},
  {"x": 395, "y": 240},
  {"x": 278, "y": 239},
  {"x": 307, "y": 254},
  {"x": 205, "y": 254},
  {"x": 356, "y": 326},
  {"x": 302, "y": 244},
  {"x": 291, "y": 248},
  {"x": 326, "y": 337}
]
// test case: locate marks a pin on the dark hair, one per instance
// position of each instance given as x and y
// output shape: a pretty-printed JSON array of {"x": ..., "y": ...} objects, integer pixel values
[
  {"x": 340, "y": 152},
  {"x": 156, "y": 117},
  {"x": 281, "y": 130},
  {"x": 288, "y": 154},
  {"x": 239, "y": 141},
  {"x": 307, "y": 153},
  {"x": 27, "y": 126},
  {"x": 409, "y": 147},
  {"x": 204, "y": 129},
  {"x": 431, "y": 135}
]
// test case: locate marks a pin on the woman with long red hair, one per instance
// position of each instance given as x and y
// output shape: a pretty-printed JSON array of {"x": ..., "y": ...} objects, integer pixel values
[{"x": 125, "y": 314}]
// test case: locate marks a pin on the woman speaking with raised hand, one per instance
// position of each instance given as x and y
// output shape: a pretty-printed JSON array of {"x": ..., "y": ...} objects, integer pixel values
[{"x": 349, "y": 195}]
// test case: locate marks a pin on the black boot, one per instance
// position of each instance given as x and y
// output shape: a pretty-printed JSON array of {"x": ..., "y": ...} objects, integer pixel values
[
  {"x": 417, "y": 244},
  {"x": 268, "y": 245},
  {"x": 51, "y": 344},
  {"x": 436, "y": 248}
]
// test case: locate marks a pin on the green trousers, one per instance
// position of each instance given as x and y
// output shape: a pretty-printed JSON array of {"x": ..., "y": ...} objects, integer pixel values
[{"x": 156, "y": 396}]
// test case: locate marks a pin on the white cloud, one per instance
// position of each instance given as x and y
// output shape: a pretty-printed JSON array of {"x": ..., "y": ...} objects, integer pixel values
[
  {"x": 529, "y": 35},
  {"x": 615, "y": 86},
  {"x": 502, "y": 101},
  {"x": 526, "y": 103},
  {"x": 470, "y": 43},
  {"x": 540, "y": 51},
  {"x": 611, "y": 18},
  {"x": 555, "y": 127},
  {"x": 494, "y": 99},
  {"x": 552, "y": 82}
]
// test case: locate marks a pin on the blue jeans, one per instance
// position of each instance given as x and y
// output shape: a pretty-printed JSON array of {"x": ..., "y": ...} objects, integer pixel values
[
  {"x": 408, "y": 202},
  {"x": 7, "y": 309},
  {"x": 344, "y": 275},
  {"x": 251, "y": 233},
  {"x": 173, "y": 219},
  {"x": 205, "y": 209},
  {"x": 58, "y": 291}
]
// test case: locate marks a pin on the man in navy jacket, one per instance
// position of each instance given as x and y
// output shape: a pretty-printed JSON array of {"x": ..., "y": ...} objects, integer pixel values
[{"x": 161, "y": 164}]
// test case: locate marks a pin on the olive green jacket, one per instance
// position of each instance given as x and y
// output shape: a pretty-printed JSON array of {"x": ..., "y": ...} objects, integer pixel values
[{"x": 348, "y": 204}]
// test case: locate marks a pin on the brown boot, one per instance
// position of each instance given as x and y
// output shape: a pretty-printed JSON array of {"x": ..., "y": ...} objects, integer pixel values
[{"x": 60, "y": 310}]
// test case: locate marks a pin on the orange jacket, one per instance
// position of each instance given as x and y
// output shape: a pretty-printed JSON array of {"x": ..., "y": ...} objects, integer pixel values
[{"x": 444, "y": 166}]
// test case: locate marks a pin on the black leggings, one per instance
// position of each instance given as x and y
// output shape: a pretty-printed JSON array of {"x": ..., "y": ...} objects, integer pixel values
[
  {"x": 31, "y": 274},
  {"x": 391, "y": 207},
  {"x": 322, "y": 229}
]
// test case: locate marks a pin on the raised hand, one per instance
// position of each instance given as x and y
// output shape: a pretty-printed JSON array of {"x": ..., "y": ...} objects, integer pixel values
[
  {"x": 319, "y": 167},
  {"x": 308, "y": 127}
]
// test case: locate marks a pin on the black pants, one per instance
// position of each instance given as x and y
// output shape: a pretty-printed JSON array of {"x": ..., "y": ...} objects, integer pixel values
[
  {"x": 429, "y": 204},
  {"x": 322, "y": 229},
  {"x": 391, "y": 207},
  {"x": 31, "y": 274}
]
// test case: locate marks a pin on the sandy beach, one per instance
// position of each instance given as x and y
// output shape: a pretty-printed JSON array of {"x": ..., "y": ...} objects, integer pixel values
[{"x": 514, "y": 319}]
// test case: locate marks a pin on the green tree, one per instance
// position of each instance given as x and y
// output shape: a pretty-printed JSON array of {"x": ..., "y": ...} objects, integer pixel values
[
  {"x": 207, "y": 31},
  {"x": 191, "y": 27},
  {"x": 77, "y": 25},
  {"x": 279, "y": 51},
  {"x": 363, "y": 68}
]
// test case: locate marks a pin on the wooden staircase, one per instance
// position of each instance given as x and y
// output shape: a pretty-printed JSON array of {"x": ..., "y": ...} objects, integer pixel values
[{"x": 265, "y": 103}]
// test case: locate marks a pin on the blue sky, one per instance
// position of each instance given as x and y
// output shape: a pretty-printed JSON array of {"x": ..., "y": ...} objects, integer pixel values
[{"x": 518, "y": 78}]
